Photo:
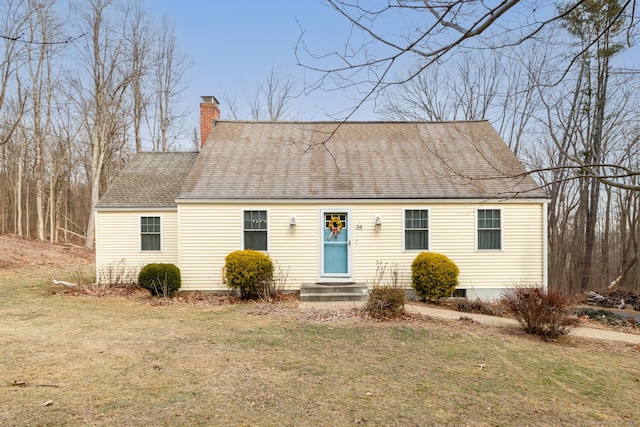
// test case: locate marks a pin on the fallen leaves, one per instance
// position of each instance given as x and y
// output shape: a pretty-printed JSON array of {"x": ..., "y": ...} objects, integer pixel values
[{"x": 323, "y": 315}]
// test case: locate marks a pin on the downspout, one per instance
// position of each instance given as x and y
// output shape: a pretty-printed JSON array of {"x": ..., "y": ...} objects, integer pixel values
[
  {"x": 97, "y": 246},
  {"x": 545, "y": 247}
]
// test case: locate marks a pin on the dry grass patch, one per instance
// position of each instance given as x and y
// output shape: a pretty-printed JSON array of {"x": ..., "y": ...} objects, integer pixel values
[{"x": 123, "y": 361}]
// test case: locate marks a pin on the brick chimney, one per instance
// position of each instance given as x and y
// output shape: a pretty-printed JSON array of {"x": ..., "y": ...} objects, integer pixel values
[{"x": 209, "y": 111}]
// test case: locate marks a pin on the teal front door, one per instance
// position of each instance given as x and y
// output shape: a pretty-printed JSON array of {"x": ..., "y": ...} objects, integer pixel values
[{"x": 336, "y": 244}]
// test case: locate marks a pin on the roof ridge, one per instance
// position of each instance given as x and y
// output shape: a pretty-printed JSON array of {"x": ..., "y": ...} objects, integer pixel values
[
  {"x": 166, "y": 152},
  {"x": 335, "y": 122}
]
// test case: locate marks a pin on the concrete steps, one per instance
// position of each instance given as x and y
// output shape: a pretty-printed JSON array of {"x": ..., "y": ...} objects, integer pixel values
[{"x": 349, "y": 291}]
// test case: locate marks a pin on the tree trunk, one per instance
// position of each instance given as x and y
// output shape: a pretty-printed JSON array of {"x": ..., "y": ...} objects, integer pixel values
[
  {"x": 96, "y": 172},
  {"x": 18, "y": 197}
]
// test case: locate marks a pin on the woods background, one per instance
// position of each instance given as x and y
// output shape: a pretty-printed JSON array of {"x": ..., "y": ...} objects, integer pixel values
[{"x": 85, "y": 84}]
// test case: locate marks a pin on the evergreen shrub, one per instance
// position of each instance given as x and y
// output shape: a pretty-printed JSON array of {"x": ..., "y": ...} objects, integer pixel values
[
  {"x": 160, "y": 279},
  {"x": 249, "y": 271},
  {"x": 433, "y": 276}
]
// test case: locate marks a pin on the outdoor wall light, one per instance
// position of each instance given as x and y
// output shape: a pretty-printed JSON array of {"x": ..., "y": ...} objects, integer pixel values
[
  {"x": 378, "y": 222},
  {"x": 292, "y": 222}
]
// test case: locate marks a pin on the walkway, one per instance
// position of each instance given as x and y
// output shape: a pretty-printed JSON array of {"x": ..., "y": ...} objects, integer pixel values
[{"x": 441, "y": 313}]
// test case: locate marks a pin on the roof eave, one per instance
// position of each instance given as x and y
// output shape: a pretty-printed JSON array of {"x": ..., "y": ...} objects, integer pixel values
[
  {"x": 136, "y": 208},
  {"x": 466, "y": 200}
]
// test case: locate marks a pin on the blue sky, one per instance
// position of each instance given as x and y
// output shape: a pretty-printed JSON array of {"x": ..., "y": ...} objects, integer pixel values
[{"x": 234, "y": 44}]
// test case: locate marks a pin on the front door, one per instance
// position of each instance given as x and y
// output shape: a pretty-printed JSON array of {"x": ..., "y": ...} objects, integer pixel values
[{"x": 336, "y": 245}]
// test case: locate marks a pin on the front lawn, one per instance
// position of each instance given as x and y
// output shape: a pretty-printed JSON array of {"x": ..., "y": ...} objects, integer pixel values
[{"x": 79, "y": 360}]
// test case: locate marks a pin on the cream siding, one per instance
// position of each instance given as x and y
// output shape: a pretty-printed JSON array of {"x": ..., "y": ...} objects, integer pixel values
[
  {"x": 208, "y": 232},
  {"x": 118, "y": 252}
]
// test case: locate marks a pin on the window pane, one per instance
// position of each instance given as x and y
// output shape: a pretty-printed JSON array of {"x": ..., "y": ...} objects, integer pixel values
[
  {"x": 416, "y": 239},
  {"x": 416, "y": 224},
  {"x": 150, "y": 242},
  {"x": 255, "y": 230},
  {"x": 256, "y": 240},
  {"x": 489, "y": 229},
  {"x": 341, "y": 216},
  {"x": 416, "y": 219},
  {"x": 150, "y": 224},
  {"x": 150, "y": 233},
  {"x": 255, "y": 220},
  {"x": 488, "y": 239}
]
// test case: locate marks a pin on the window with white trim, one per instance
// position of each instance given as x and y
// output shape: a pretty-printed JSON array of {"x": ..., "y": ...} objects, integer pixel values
[
  {"x": 150, "y": 233},
  {"x": 416, "y": 229},
  {"x": 489, "y": 229},
  {"x": 255, "y": 230}
]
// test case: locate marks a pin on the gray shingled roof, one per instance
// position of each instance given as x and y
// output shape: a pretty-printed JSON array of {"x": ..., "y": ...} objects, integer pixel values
[
  {"x": 149, "y": 180},
  {"x": 356, "y": 160}
]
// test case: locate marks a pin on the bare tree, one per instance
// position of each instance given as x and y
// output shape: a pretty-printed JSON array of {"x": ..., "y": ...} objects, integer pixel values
[
  {"x": 65, "y": 126},
  {"x": 434, "y": 31},
  {"x": 475, "y": 85},
  {"x": 270, "y": 100},
  {"x": 14, "y": 19},
  {"x": 101, "y": 92},
  {"x": 13, "y": 23},
  {"x": 63, "y": 165},
  {"x": 138, "y": 36},
  {"x": 595, "y": 25},
  {"x": 43, "y": 26},
  {"x": 170, "y": 65}
]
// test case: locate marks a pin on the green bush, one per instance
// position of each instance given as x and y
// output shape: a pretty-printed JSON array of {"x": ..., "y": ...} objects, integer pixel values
[
  {"x": 249, "y": 271},
  {"x": 386, "y": 302},
  {"x": 540, "y": 312},
  {"x": 160, "y": 279},
  {"x": 433, "y": 276}
]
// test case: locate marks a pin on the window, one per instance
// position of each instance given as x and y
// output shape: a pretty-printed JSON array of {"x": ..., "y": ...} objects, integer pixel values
[
  {"x": 150, "y": 233},
  {"x": 489, "y": 229},
  {"x": 255, "y": 230},
  {"x": 416, "y": 229},
  {"x": 342, "y": 224}
]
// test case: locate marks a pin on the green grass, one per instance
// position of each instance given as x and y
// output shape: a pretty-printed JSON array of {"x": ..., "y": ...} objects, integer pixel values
[{"x": 123, "y": 361}]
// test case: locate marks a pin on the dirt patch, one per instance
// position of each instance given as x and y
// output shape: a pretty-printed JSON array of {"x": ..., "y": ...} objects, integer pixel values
[{"x": 18, "y": 253}]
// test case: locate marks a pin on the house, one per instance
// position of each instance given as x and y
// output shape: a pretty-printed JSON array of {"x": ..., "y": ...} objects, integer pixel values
[{"x": 328, "y": 201}]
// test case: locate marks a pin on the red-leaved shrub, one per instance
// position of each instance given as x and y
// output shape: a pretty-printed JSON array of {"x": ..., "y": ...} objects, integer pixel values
[{"x": 539, "y": 311}]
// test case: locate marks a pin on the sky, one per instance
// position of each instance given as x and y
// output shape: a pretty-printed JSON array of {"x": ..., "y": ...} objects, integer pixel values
[{"x": 234, "y": 44}]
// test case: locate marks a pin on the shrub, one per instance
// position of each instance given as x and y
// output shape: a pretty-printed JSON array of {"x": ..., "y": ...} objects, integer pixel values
[
  {"x": 540, "y": 312},
  {"x": 277, "y": 286},
  {"x": 249, "y": 271},
  {"x": 434, "y": 276},
  {"x": 386, "y": 297},
  {"x": 160, "y": 279},
  {"x": 83, "y": 276},
  {"x": 386, "y": 302},
  {"x": 118, "y": 275}
]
